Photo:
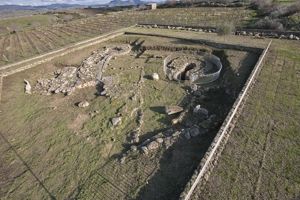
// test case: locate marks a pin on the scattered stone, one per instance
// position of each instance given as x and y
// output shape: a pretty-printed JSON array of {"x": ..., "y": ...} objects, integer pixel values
[
  {"x": 155, "y": 76},
  {"x": 194, "y": 132},
  {"x": 83, "y": 104},
  {"x": 159, "y": 140},
  {"x": 116, "y": 120},
  {"x": 147, "y": 141},
  {"x": 153, "y": 145},
  {"x": 53, "y": 107},
  {"x": 27, "y": 87},
  {"x": 205, "y": 124},
  {"x": 200, "y": 111},
  {"x": 167, "y": 142},
  {"x": 282, "y": 37},
  {"x": 197, "y": 93},
  {"x": 133, "y": 148},
  {"x": 170, "y": 110},
  {"x": 144, "y": 150},
  {"x": 123, "y": 159},
  {"x": 177, "y": 133},
  {"x": 291, "y": 37},
  {"x": 194, "y": 87},
  {"x": 187, "y": 135},
  {"x": 134, "y": 137},
  {"x": 257, "y": 35}
]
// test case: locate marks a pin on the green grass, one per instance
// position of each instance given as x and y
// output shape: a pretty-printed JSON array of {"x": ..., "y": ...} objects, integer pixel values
[
  {"x": 265, "y": 140},
  {"x": 58, "y": 155},
  {"x": 73, "y": 158}
]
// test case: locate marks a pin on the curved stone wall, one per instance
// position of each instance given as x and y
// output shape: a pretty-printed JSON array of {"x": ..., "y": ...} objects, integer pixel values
[
  {"x": 209, "y": 60},
  {"x": 208, "y": 78}
]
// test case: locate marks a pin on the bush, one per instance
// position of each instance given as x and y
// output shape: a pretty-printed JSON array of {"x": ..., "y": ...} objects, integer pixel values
[
  {"x": 264, "y": 7},
  {"x": 225, "y": 29},
  {"x": 276, "y": 15},
  {"x": 268, "y": 23}
]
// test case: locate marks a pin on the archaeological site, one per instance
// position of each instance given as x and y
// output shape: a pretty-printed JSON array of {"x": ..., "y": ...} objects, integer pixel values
[{"x": 154, "y": 102}]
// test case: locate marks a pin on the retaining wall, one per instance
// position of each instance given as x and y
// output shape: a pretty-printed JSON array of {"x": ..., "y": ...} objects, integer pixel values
[{"x": 208, "y": 162}]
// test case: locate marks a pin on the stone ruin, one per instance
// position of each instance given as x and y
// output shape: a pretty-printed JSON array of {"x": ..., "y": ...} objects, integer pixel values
[
  {"x": 197, "y": 69},
  {"x": 89, "y": 73}
]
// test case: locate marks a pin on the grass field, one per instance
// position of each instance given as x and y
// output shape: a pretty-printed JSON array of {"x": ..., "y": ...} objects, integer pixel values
[
  {"x": 261, "y": 158},
  {"x": 65, "y": 151}
]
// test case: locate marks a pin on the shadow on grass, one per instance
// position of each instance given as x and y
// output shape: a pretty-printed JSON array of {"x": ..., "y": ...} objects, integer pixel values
[
  {"x": 158, "y": 109},
  {"x": 177, "y": 164}
]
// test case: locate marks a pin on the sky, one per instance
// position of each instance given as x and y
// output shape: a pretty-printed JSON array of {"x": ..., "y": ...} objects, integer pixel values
[{"x": 47, "y": 2}]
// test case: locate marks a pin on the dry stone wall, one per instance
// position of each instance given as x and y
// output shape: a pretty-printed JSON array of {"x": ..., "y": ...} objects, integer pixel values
[
  {"x": 259, "y": 33},
  {"x": 211, "y": 77},
  {"x": 196, "y": 75}
]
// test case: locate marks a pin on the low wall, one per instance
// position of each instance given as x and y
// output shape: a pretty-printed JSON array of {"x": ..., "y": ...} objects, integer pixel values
[
  {"x": 208, "y": 78},
  {"x": 208, "y": 162},
  {"x": 291, "y": 35},
  {"x": 266, "y": 32},
  {"x": 205, "y": 78}
]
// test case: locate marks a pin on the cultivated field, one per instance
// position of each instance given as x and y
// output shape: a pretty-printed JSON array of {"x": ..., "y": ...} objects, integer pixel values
[
  {"x": 8, "y": 25},
  {"x": 38, "y": 40},
  {"x": 261, "y": 158},
  {"x": 65, "y": 151}
]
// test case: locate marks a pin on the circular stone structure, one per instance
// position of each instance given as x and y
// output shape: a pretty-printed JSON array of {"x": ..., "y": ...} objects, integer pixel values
[{"x": 197, "y": 69}]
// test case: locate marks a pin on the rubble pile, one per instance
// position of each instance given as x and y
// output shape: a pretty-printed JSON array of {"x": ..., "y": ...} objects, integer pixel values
[{"x": 89, "y": 73}]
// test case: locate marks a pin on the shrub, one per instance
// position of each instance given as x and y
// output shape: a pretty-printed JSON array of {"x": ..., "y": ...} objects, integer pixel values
[
  {"x": 225, "y": 29},
  {"x": 268, "y": 23}
]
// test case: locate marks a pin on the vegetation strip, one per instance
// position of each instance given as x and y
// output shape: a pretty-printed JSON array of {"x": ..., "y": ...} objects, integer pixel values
[{"x": 211, "y": 154}]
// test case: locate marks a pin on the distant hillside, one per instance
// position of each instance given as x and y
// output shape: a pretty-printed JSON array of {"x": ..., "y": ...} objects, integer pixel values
[
  {"x": 33, "y": 8},
  {"x": 114, "y": 3}
]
